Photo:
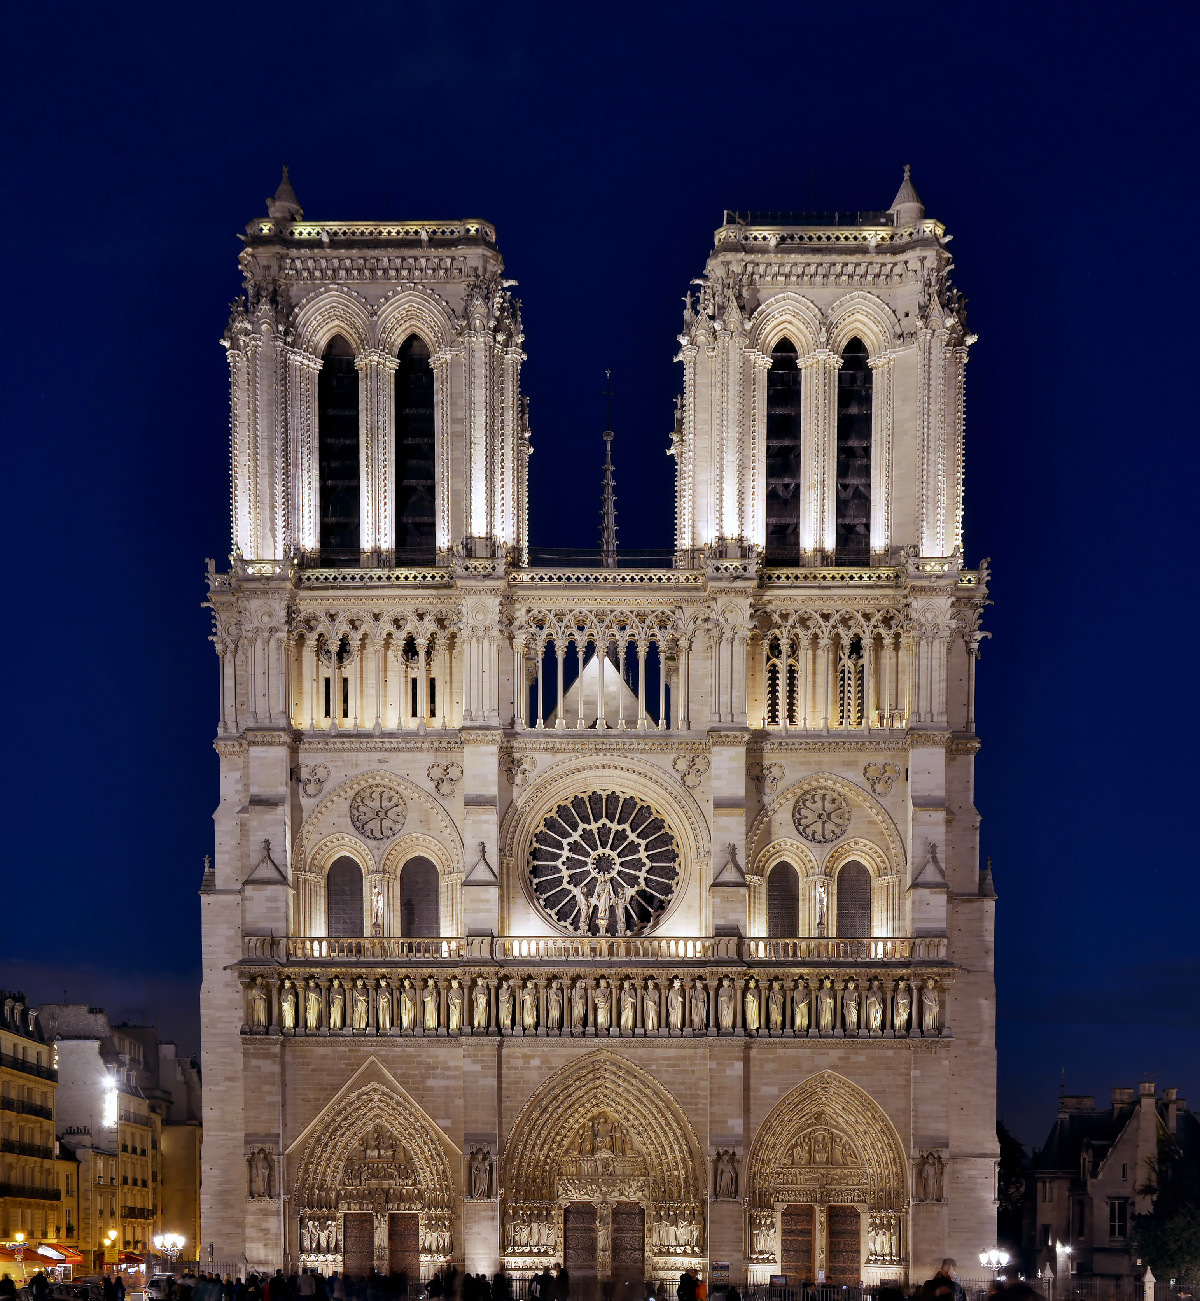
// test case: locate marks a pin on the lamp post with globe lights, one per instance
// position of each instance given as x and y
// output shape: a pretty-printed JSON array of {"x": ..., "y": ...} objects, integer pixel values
[
  {"x": 995, "y": 1259},
  {"x": 169, "y": 1245}
]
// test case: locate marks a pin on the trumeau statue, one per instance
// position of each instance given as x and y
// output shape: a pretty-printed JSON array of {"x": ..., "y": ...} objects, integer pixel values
[
  {"x": 699, "y": 1008},
  {"x": 903, "y": 1008},
  {"x": 337, "y": 1005},
  {"x": 725, "y": 1004},
  {"x": 408, "y": 1006},
  {"x": 675, "y": 1005},
  {"x": 554, "y": 1006},
  {"x": 287, "y": 1005},
  {"x": 259, "y": 1013}
]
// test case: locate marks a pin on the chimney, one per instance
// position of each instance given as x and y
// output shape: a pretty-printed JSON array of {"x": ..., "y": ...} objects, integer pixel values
[
  {"x": 1171, "y": 1099},
  {"x": 1121, "y": 1098}
]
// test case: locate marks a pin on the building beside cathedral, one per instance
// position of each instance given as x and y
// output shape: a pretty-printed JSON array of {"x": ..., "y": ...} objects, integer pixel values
[{"x": 630, "y": 917}]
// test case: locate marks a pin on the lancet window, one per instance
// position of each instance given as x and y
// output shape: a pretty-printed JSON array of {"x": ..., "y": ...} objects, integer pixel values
[
  {"x": 415, "y": 498},
  {"x": 783, "y": 901},
  {"x": 853, "y": 505},
  {"x": 853, "y": 901},
  {"x": 783, "y": 455},
  {"x": 344, "y": 898},
  {"x": 337, "y": 449},
  {"x": 850, "y": 681},
  {"x": 419, "y": 898}
]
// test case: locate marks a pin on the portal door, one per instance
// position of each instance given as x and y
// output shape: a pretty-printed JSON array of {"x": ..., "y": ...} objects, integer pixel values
[
  {"x": 845, "y": 1245},
  {"x": 799, "y": 1239},
  {"x": 628, "y": 1243},
  {"x": 579, "y": 1240},
  {"x": 404, "y": 1245},
  {"x": 358, "y": 1243}
]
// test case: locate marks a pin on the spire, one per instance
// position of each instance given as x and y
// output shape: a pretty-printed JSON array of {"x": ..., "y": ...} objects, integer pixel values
[
  {"x": 285, "y": 206},
  {"x": 608, "y": 507},
  {"x": 907, "y": 204}
]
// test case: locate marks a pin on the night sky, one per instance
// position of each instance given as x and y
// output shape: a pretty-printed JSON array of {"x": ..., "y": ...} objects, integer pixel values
[{"x": 1058, "y": 145}]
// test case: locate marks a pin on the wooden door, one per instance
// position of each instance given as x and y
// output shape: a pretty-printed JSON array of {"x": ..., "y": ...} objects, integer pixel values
[
  {"x": 845, "y": 1245},
  {"x": 798, "y": 1261},
  {"x": 358, "y": 1243},
  {"x": 579, "y": 1245},
  {"x": 404, "y": 1245},
  {"x": 628, "y": 1243}
]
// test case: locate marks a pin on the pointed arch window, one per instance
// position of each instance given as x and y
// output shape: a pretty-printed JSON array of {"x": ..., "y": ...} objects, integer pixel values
[
  {"x": 854, "y": 901},
  {"x": 415, "y": 471},
  {"x": 853, "y": 507},
  {"x": 783, "y": 901},
  {"x": 783, "y": 455},
  {"x": 419, "y": 913},
  {"x": 337, "y": 450},
  {"x": 344, "y": 898}
]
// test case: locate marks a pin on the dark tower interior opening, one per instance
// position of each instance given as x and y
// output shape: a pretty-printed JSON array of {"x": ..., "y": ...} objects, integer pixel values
[
  {"x": 853, "y": 543},
  {"x": 337, "y": 451},
  {"x": 783, "y": 455},
  {"x": 416, "y": 538}
]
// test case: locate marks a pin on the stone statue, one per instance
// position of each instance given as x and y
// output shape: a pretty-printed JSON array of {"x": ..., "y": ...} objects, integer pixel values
[
  {"x": 337, "y": 1005},
  {"x": 261, "y": 1171},
  {"x": 929, "y": 1008},
  {"x": 675, "y": 1005},
  {"x": 628, "y": 1007},
  {"x": 481, "y": 1174},
  {"x": 603, "y": 1005},
  {"x": 775, "y": 1008},
  {"x": 554, "y": 1006},
  {"x": 454, "y": 1006},
  {"x": 479, "y": 1006},
  {"x": 850, "y": 1008},
  {"x": 726, "y": 1175},
  {"x": 376, "y": 903},
  {"x": 699, "y": 1007},
  {"x": 725, "y": 997},
  {"x": 287, "y": 1005},
  {"x": 258, "y": 1004},
  {"x": 800, "y": 1007},
  {"x": 579, "y": 1006},
  {"x": 752, "y": 1006},
  {"x": 931, "y": 1177},
  {"x": 903, "y": 1009},
  {"x": 650, "y": 1007},
  {"x": 430, "y": 999},
  {"x": 312, "y": 1006},
  {"x": 360, "y": 1011},
  {"x": 408, "y": 1006},
  {"x": 874, "y": 1009},
  {"x": 822, "y": 906},
  {"x": 529, "y": 1007},
  {"x": 383, "y": 1006},
  {"x": 504, "y": 1004},
  {"x": 825, "y": 1008}
]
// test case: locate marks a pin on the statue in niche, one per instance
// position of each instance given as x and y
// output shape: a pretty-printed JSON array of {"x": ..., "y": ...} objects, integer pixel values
[
  {"x": 650, "y": 1007},
  {"x": 675, "y": 1005},
  {"x": 752, "y": 1006},
  {"x": 874, "y": 1009},
  {"x": 850, "y": 1007},
  {"x": 261, "y": 1172},
  {"x": 360, "y": 1012},
  {"x": 454, "y": 1006},
  {"x": 822, "y": 906},
  {"x": 430, "y": 999},
  {"x": 930, "y": 1006},
  {"x": 579, "y": 1006},
  {"x": 287, "y": 1005},
  {"x": 376, "y": 905},
  {"x": 408, "y": 1006},
  {"x": 603, "y": 1004},
  {"x": 383, "y": 1006},
  {"x": 481, "y": 1174},
  {"x": 504, "y": 1004},
  {"x": 312, "y": 1005},
  {"x": 800, "y": 1007},
  {"x": 628, "y": 1007},
  {"x": 726, "y": 1175},
  {"x": 775, "y": 1008},
  {"x": 699, "y": 1007},
  {"x": 603, "y": 1235},
  {"x": 259, "y": 1012},
  {"x": 529, "y": 1007},
  {"x": 902, "y": 1009},
  {"x": 725, "y": 997},
  {"x": 479, "y": 1006},
  {"x": 931, "y": 1169},
  {"x": 825, "y": 1007},
  {"x": 337, "y": 1005},
  {"x": 554, "y": 1006}
]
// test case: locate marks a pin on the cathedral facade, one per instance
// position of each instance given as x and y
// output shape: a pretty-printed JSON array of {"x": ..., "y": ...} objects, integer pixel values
[{"x": 630, "y": 917}]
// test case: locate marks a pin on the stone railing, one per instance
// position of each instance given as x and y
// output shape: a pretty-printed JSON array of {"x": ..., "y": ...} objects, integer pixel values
[{"x": 606, "y": 578}]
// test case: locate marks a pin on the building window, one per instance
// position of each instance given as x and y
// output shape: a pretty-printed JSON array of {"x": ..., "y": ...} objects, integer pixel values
[
  {"x": 853, "y": 504},
  {"x": 337, "y": 450},
  {"x": 419, "y": 898},
  {"x": 854, "y": 901},
  {"x": 783, "y": 455},
  {"x": 1080, "y": 1218},
  {"x": 1045, "y": 1235},
  {"x": 783, "y": 901},
  {"x": 1124, "y": 1174},
  {"x": 1118, "y": 1217},
  {"x": 344, "y": 890},
  {"x": 415, "y": 505}
]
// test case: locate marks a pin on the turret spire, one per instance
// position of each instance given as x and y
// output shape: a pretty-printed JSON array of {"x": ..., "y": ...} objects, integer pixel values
[
  {"x": 907, "y": 204},
  {"x": 608, "y": 507},
  {"x": 284, "y": 206}
]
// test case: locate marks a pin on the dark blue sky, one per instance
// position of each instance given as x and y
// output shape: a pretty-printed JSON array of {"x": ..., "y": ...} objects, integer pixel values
[{"x": 1057, "y": 143}]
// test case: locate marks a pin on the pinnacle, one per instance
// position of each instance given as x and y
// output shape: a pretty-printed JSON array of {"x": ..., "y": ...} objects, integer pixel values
[
  {"x": 284, "y": 205},
  {"x": 908, "y": 198}
]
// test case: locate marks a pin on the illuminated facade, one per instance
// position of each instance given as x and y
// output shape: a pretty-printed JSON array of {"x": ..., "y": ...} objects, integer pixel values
[
  {"x": 30, "y": 1203},
  {"x": 630, "y": 917}
]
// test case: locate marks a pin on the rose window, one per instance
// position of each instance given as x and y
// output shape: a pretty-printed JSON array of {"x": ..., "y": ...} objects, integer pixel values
[
  {"x": 378, "y": 812},
  {"x": 821, "y": 816},
  {"x": 604, "y": 864}
]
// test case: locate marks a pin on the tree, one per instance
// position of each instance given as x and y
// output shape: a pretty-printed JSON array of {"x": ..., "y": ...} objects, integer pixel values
[
  {"x": 1013, "y": 1182},
  {"x": 1167, "y": 1237}
]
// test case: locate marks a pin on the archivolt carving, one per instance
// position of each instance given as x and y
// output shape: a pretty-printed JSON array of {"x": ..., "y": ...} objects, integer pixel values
[
  {"x": 414, "y": 310},
  {"x": 418, "y": 846},
  {"x": 332, "y": 847},
  {"x": 867, "y": 317},
  {"x": 788, "y": 314},
  {"x": 329, "y": 311},
  {"x": 862, "y": 851},
  {"x": 780, "y": 851},
  {"x": 827, "y": 1140}
]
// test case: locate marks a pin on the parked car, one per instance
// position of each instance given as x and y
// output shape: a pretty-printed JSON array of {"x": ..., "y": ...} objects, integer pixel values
[{"x": 156, "y": 1289}]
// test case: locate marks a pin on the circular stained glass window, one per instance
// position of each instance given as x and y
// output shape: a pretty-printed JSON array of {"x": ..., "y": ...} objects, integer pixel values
[{"x": 603, "y": 863}]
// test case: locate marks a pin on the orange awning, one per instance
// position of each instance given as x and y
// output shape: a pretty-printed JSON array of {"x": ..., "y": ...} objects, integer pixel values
[
  {"x": 55, "y": 1253},
  {"x": 130, "y": 1258}
]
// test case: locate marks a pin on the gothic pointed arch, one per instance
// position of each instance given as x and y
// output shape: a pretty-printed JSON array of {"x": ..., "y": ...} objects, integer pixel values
[
  {"x": 786, "y": 316},
  {"x": 329, "y": 311},
  {"x": 413, "y": 311},
  {"x": 863, "y": 315}
]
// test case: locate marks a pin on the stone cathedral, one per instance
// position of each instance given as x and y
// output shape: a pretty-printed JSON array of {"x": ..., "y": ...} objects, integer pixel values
[{"x": 625, "y": 915}]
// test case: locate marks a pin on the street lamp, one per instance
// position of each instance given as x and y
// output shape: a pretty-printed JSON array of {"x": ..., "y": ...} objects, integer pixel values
[
  {"x": 169, "y": 1245},
  {"x": 995, "y": 1259}
]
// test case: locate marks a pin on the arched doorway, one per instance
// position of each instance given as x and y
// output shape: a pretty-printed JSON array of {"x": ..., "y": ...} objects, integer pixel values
[
  {"x": 603, "y": 1171},
  {"x": 827, "y": 1195}
]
